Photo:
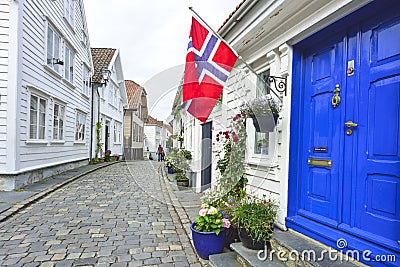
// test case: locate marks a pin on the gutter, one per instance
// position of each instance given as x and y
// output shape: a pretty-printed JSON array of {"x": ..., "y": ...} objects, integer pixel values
[{"x": 236, "y": 17}]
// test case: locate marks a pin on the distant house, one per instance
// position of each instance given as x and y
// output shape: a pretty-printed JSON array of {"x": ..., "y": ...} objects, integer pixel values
[
  {"x": 155, "y": 134},
  {"x": 134, "y": 118},
  {"x": 45, "y": 90},
  {"x": 109, "y": 100}
]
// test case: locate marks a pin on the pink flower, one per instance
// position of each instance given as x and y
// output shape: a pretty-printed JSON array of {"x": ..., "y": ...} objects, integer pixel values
[
  {"x": 235, "y": 138},
  {"x": 203, "y": 212},
  {"x": 226, "y": 222}
]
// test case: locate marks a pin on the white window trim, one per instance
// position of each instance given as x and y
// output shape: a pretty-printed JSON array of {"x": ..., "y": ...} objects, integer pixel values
[
  {"x": 62, "y": 139},
  {"x": 71, "y": 24},
  {"x": 77, "y": 111},
  {"x": 89, "y": 87},
  {"x": 45, "y": 137},
  {"x": 48, "y": 25},
  {"x": 118, "y": 128},
  {"x": 258, "y": 159},
  {"x": 72, "y": 52}
]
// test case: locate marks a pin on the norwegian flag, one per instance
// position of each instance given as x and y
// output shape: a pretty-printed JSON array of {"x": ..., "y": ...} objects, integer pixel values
[{"x": 209, "y": 62}]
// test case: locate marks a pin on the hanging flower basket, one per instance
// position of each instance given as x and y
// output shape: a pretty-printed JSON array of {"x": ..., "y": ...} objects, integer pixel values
[{"x": 265, "y": 123}]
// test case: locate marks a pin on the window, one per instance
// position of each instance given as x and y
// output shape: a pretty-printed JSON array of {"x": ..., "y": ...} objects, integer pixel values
[
  {"x": 69, "y": 64},
  {"x": 37, "y": 117},
  {"x": 58, "y": 122},
  {"x": 80, "y": 126},
  {"x": 86, "y": 80},
  {"x": 69, "y": 11},
  {"x": 53, "y": 49},
  {"x": 117, "y": 132},
  {"x": 261, "y": 140}
]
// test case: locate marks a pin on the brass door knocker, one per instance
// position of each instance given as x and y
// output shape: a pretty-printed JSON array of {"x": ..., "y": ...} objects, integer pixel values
[{"x": 336, "y": 96}]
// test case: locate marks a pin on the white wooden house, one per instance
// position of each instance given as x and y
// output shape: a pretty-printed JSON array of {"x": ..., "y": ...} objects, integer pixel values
[
  {"x": 155, "y": 133},
  {"x": 109, "y": 100},
  {"x": 333, "y": 164},
  {"x": 44, "y": 88}
]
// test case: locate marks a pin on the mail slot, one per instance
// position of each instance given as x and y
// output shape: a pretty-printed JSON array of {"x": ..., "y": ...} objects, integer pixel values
[{"x": 320, "y": 162}]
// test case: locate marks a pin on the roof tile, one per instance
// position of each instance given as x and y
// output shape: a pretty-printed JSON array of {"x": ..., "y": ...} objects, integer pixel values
[{"x": 101, "y": 58}]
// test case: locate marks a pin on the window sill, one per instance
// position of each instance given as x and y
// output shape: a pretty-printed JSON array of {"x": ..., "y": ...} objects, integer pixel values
[
  {"x": 36, "y": 142},
  {"x": 111, "y": 105},
  {"x": 85, "y": 96},
  {"x": 57, "y": 142},
  {"x": 70, "y": 26},
  {"x": 52, "y": 71},
  {"x": 71, "y": 85},
  {"x": 79, "y": 143}
]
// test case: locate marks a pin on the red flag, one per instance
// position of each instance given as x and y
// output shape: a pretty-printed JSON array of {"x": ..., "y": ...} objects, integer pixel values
[{"x": 209, "y": 62}]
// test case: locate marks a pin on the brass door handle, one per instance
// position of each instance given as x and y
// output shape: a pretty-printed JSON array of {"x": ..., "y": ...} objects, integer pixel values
[{"x": 350, "y": 124}]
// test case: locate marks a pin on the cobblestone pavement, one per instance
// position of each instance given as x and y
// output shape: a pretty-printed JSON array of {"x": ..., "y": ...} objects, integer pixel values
[{"x": 116, "y": 216}]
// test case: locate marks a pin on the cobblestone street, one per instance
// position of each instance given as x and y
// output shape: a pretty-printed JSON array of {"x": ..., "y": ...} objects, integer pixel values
[{"x": 116, "y": 216}]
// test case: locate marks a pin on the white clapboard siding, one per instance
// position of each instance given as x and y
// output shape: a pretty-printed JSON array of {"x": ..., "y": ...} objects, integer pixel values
[
  {"x": 35, "y": 77},
  {"x": 4, "y": 44}
]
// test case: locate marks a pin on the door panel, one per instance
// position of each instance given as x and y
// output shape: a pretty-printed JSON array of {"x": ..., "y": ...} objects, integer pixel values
[
  {"x": 378, "y": 171},
  {"x": 320, "y": 185}
]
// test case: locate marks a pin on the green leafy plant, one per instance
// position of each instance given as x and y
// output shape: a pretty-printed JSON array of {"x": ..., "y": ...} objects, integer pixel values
[
  {"x": 210, "y": 220},
  {"x": 99, "y": 145},
  {"x": 181, "y": 176},
  {"x": 256, "y": 216}
]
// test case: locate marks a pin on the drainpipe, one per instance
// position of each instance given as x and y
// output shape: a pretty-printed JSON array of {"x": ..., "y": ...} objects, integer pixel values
[
  {"x": 92, "y": 116},
  {"x": 92, "y": 124}
]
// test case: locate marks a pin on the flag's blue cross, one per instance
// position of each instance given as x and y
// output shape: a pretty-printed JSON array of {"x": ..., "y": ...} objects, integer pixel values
[{"x": 202, "y": 62}]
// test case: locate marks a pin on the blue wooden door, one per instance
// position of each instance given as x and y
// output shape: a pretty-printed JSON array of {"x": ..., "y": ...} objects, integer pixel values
[
  {"x": 320, "y": 185},
  {"x": 377, "y": 146},
  {"x": 357, "y": 191}
]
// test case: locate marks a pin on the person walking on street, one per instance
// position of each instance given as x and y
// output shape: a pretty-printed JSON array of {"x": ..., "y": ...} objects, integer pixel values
[{"x": 160, "y": 152}]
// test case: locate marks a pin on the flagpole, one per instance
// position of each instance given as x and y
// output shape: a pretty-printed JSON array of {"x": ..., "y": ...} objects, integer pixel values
[{"x": 234, "y": 51}]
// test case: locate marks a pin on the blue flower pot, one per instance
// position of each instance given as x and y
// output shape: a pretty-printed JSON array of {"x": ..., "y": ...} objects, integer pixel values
[
  {"x": 208, "y": 243},
  {"x": 170, "y": 171}
]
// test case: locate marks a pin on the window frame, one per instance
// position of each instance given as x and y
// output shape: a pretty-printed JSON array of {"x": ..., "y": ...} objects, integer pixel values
[
  {"x": 60, "y": 135},
  {"x": 80, "y": 135},
  {"x": 86, "y": 80},
  {"x": 37, "y": 125},
  {"x": 69, "y": 63},
  {"x": 50, "y": 62},
  {"x": 69, "y": 12}
]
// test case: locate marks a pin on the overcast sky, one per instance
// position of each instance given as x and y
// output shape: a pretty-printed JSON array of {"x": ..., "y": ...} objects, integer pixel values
[{"x": 152, "y": 36}]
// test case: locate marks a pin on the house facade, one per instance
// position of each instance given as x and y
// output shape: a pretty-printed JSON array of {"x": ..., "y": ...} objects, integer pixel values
[
  {"x": 45, "y": 90},
  {"x": 109, "y": 100},
  {"x": 155, "y": 134},
  {"x": 134, "y": 117},
  {"x": 332, "y": 160}
]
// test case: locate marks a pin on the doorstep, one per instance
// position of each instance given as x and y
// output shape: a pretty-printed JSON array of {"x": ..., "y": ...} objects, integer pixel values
[{"x": 291, "y": 241}]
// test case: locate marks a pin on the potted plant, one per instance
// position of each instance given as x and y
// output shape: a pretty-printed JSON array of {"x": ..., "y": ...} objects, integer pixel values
[
  {"x": 168, "y": 164},
  {"x": 181, "y": 179},
  {"x": 116, "y": 157},
  {"x": 208, "y": 232},
  {"x": 150, "y": 156},
  {"x": 255, "y": 219},
  {"x": 107, "y": 155},
  {"x": 264, "y": 111}
]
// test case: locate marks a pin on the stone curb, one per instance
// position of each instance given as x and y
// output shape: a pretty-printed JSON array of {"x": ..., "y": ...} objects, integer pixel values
[
  {"x": 36, "y": 197},
  {"x": 182, "y": 214}
]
